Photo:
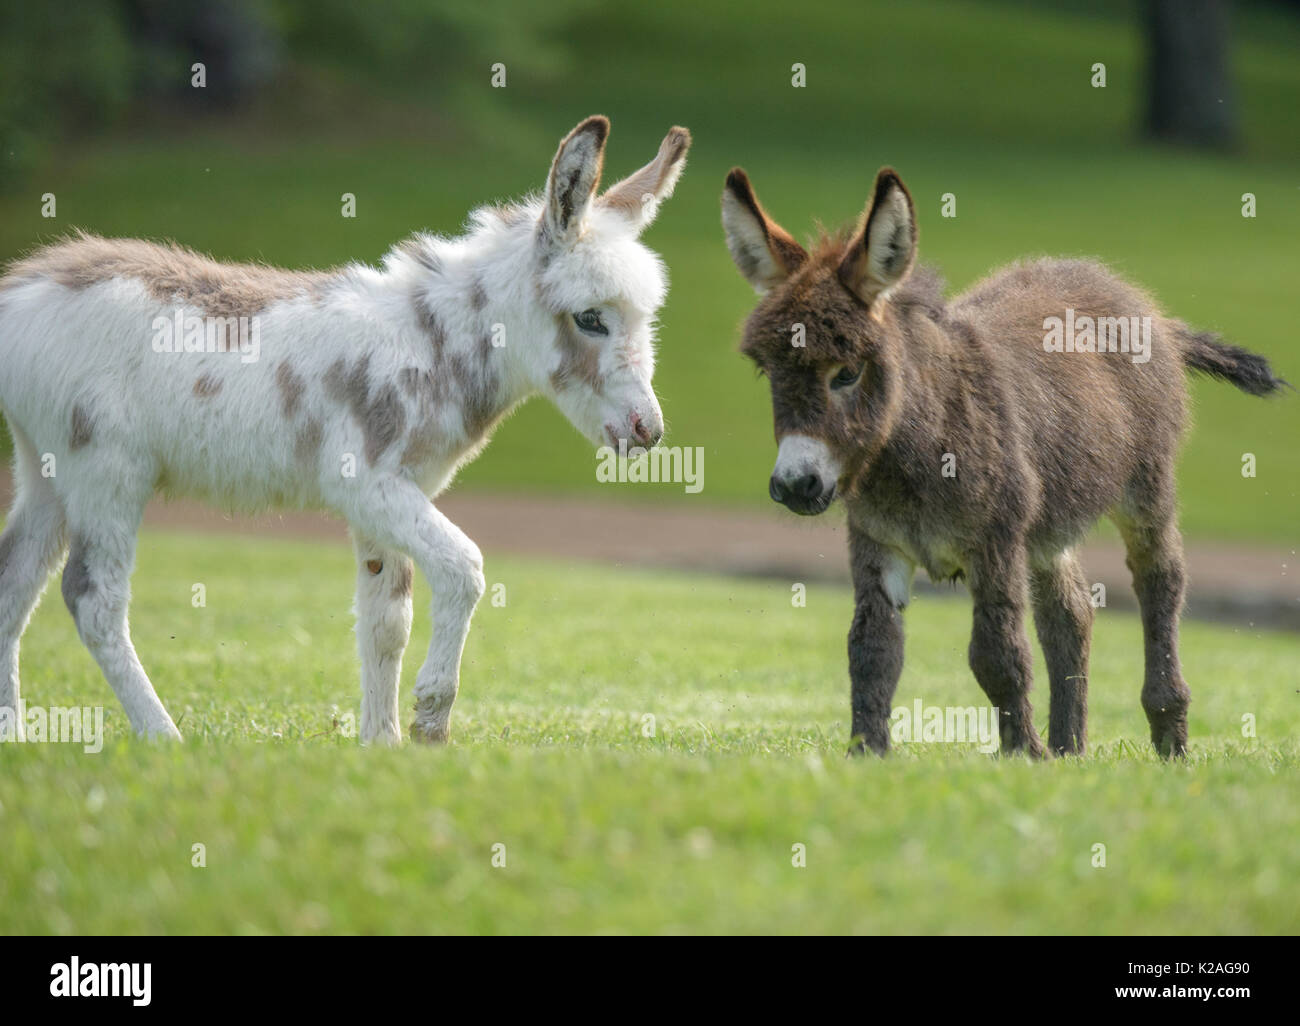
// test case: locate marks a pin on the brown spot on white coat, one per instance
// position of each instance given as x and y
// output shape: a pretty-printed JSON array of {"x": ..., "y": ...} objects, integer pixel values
[
  {"x": 206, "y": 386},
  {"x": 291, "y": 387},
  {"x": 82, "y": 430}
]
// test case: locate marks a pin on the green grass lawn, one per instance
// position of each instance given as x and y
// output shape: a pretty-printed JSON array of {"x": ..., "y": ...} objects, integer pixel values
[
  {"x": 991, "y": 102},
  {"x": 605, "y": 829}
]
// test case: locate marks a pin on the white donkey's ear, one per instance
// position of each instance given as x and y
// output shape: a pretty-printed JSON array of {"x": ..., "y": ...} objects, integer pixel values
[
  {"x": 884, "y": 248},
  {"x": 765, "y": 253},
  {"x": 638, "y": 196},
  {"x": 575, "y": 173}
]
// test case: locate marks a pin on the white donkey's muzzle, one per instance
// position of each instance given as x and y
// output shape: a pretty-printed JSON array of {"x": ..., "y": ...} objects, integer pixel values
[{"x": 637, "y": 421}]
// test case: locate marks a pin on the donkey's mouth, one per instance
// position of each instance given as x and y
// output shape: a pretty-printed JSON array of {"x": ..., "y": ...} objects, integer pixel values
[{"x": 630, "y": 448}]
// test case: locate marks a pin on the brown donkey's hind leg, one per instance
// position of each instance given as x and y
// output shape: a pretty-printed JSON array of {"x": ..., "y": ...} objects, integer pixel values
[
  {"x": 1063, "y": 618},
  {"x": 1155, "y": 558}
]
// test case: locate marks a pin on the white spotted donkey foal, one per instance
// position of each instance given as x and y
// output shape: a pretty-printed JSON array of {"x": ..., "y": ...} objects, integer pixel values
[{"x": 366, "y": 391}]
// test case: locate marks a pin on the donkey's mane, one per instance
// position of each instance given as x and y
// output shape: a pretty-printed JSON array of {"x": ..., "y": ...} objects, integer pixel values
[
  {"x": 427, "y": 249},
  {"x": 922, "y": 289}
]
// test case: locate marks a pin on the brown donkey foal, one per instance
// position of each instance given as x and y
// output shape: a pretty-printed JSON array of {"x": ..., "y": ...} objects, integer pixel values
[{"x": 979, "y": 438}]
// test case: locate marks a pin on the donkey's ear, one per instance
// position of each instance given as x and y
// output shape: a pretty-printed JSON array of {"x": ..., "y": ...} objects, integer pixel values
[
  {"x": 638, "y": 196},
  {"x": 764, "y": 251},
  {"x": 884, "y": 248},
  {"x": 575, "y": 173}
]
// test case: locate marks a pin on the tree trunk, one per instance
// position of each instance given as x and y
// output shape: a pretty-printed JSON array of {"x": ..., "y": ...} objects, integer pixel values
[{"x": 1189, "y": 95}]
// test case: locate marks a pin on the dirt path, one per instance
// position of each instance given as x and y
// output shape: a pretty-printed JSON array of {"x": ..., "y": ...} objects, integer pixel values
[{"x": 1250, "y": 585}]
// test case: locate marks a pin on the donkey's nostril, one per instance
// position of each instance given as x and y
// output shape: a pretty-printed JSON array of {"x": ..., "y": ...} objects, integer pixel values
[
  {"x": 776, "y": 490},
  {"x": 642, "y": 433},
  {"x": 808, "y": 487}
]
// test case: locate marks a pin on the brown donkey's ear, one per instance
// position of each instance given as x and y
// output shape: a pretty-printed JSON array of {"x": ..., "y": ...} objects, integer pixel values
[
  {"x": 884, "y": 248},
  {"x": 764, "y": 251},
  {"x": 638, "y": 196},
  {"x": 575, "y": 173}
]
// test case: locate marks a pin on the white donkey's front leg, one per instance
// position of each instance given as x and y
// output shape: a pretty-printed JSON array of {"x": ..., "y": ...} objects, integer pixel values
[
  {"x": 399, "y": 516},
  {"x": 383, "y": 611}
]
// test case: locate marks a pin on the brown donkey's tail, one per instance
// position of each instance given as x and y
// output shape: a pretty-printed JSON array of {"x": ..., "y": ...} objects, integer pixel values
[{"x": 1205, "y": 352}]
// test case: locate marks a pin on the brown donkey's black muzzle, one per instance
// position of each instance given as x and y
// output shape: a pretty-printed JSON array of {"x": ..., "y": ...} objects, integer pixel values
[{"x": 807, "y": 495}]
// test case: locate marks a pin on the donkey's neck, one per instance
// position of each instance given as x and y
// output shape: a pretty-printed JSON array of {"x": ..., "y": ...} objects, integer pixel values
[
  {"x": 468, "y": 299},
  {"x": 951, "y": 394}
]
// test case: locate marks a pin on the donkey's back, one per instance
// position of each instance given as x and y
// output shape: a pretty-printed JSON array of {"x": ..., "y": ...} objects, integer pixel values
[
  {"x": 168, "y": 369},
  {"x": 1100, "y": 409},
  {"x": 1095, "y": 373}
]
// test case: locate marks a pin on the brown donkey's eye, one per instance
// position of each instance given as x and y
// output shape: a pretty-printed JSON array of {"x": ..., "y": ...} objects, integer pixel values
[{"x": 845, "y": 377}]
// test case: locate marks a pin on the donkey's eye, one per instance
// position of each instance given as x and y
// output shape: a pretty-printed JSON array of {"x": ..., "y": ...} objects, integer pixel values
[
  {"x": 845, "y": 377},
  {"x": 590, "y": 322}
]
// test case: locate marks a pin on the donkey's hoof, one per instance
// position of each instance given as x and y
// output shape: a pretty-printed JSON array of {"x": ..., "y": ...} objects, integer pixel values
[
  {"x": 1075, "y": 746},
  {"x": 859, "y": 745},
  {"x": 161, "y": 732},
  {"x": 430, "y": 733},
  {"x": 1028, "y": 745},
  {"x": 1170, "y": 743}
]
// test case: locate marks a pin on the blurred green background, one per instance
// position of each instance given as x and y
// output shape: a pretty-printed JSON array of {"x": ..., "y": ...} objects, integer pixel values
[{"x": 990, "y": 101}]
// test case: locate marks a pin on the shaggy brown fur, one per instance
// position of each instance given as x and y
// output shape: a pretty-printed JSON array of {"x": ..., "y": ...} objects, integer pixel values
[{"x": 1037, "y": 446}]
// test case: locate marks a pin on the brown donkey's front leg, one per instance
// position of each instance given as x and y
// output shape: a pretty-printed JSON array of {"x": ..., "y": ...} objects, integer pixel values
[
  {"x": 880, "y": 584},
  {"x": 999, "y": 647}
]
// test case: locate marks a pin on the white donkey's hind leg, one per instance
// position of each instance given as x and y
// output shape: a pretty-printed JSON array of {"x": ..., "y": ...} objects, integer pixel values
[
  {"x": 399, "y": 516},
  {"x": 97, "y": 589},
  {"x": 383, "y": 629},
  {"x": 31, "y": 548}
]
